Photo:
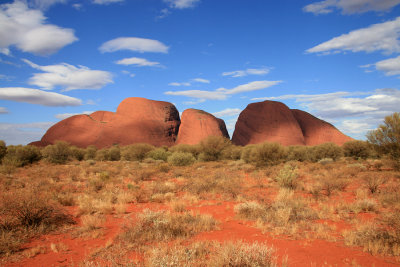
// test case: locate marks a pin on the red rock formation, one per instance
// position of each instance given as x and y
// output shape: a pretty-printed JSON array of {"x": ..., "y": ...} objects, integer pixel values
[
  {"x": 137, "y": 120},
  {"x": 267, "y": 121},
  {"x": 197, "y": 125},
  {"x": 316, "y": 131},
  {"x": 271, "y": 121}
]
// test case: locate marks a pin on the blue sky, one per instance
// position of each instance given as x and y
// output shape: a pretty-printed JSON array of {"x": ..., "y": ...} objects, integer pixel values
[{"x": 337, "y": 59}]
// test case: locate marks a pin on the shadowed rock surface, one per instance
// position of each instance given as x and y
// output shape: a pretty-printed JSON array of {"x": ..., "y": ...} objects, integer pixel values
[
  {"x": 197, "y": 125},
  {"x": 272, "y": 121},
  {"x": 137, "y": 120},
  {"x": 317, "y": 131},
  {"x": 267, "y": 121}
]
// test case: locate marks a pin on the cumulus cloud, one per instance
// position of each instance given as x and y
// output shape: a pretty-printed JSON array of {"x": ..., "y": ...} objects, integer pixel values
[
  {"x": 354, "y": 110},
  {"x": 4, "y": 110},
  {"x": 135, "y": 44},
  {"x": 68, "y": 77},
  {"x": 222, "y": 93},
  {"x": 350, "y": 6},
  {"x": 378, "y": 37},
  {"x": 181, "y": 4},
  {"x": 139, "y": 62},
  {"x": 28, "y": 30},
  {"x": 227, "y": 112},
  {"x": 39, "y": 97},
  {"x": 242, "y": 73},
  {"x": 23, "y": 133},
  {"x": 390, "y": 67},
  {"x": 63, "y": 116}
]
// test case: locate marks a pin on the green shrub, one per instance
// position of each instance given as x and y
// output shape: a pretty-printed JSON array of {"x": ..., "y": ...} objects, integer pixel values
[
  {"x": 109, "y": 154},
  {"x": 77, "y": 153},
  {"x": 327, "y": 150},
  {"x": 299, "y": 153},
  {"x": 387, "y": 137},
  {"x": 264, "y": 154},
  {"x": 90, "y": 152},
  {"x": 159, "y": 154},
  {"x": 22, "y": 155},
  {"x": 181, "y": 159},
  {"x": 192, "y": 149},
  {"x": 58, "y": 153},
  {"x": 232, "y": 152},
  {"x": 211, "y": 148},
  {"x": 357, "y": 149},
  {"x": 3, "y": 149},
  {"x": 136, "y": 152}
]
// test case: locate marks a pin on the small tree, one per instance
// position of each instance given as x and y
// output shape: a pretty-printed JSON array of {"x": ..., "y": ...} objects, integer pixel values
[{"x": 387, "y": 137}]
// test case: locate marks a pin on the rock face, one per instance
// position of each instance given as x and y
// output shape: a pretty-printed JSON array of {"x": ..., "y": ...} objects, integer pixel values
[
  {"x": 271, "y": 121},
  {"x": 197, "y": 125},
  {"x": 316, "y": 131},
  {"x": 267, "y": 121},
  {"x": 137, "y": 120}
]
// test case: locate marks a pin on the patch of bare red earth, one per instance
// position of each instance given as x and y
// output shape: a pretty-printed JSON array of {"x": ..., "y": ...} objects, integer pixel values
[{"x": 307, "y": 252}]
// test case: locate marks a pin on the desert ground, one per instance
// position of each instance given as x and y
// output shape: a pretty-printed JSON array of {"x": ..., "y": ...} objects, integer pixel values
[{"x": 144, "y": 207}]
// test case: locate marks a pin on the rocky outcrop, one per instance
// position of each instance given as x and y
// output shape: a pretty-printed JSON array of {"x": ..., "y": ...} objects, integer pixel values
[
  {"x": 137, "y": 120},
  {"x": 267, "y": 121},
  {"x": 272, "y": 121},
  {"x": 316, "y": 131},
  {"x": 197, "y": 125}
]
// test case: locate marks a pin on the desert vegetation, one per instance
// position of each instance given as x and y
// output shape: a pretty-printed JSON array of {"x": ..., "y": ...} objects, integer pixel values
[{"x": 212, "y": 204}]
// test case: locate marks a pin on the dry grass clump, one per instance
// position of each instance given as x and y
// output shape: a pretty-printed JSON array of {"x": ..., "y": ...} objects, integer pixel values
[
  {"x": 153, "y": 226},
  {"x": 213, "y": 254},
  {"x": 27, "y": 212},
  {"x": 287, "y": 176},
  {"x": 373, "y": 181},
  {"x": 286, "y": 212}
]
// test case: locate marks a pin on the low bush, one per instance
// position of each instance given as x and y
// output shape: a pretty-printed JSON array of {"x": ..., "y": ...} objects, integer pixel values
[
  {"x": 265, "y": 154},
  {"x": 232, "y": 152},
  {"x": 287, "y": 176},
  {"x": 90, "y": 152},
  {"x": 3, "y": 149},
  {"x": 299, "y": 153},
  {"x": 357, "y": 149},
  {"x": 77, "y": 153},
  {"x": 109, "y": 154},
  {"x": 136, "y": 152},
  {"x": 22, "y": 155},
  {"x": 181, "y": 159},
  {"x": 327, "y": 150},
  {"x": 58, "y": 153},
  {"x": 212, "y": 147},
  {"x": 159, "y": 154},
  {"x": 192, "y": 149}
]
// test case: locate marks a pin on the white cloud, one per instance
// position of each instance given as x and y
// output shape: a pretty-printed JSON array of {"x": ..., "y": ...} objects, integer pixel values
[
  {"x": 227, "y": 112},
  {"x": 39, "y": 97},
  {"x": 27, "y": 29},
  {"x": 222, "y": 93},
  {"x": 179, "y": 84},
  {"x": 140, "y": 62},
  {"x": 4, "y": 110},
  {"x": 390, "y": 67},
  {"x": 182, "y": 4},
  {"x": 354, "y": 110},
  {"x": 6, "y": 77},
  {"x": 378, "y": 37},
  {"x": 67, "y": 115},
  {"x": 68, "y": 76},
  {"x": 201, "y": 80},
  {"x": 106, "y": 2},
  {"x": 242, "y": 73},
  {"x": 23, "y": 133},
  {"x": 135, "y": 44},
  {"x": 350, "y": 6},
  {"x": 44, "y": 4},
  {"x": 128, "y": 73}
]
